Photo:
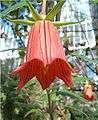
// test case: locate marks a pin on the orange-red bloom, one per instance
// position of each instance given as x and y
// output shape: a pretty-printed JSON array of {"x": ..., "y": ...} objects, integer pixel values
[
  {"x": 45, "y": 57},
  {"x": 88, "y": 93}
]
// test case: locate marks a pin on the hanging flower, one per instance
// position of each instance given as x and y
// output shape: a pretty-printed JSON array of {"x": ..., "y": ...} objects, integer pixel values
[
  {"x": 88, "y": 92},
  {"x": 45, "y": 57}
]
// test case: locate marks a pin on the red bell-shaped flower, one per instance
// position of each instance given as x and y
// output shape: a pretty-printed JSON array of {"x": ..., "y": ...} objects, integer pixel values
[
  {"x": 88, "y": 93},
  {"x": 45, "y": 57}
]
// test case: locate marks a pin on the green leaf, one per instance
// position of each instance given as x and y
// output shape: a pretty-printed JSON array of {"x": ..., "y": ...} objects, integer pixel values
[
  {"x": 34, "y": 110},
  {"x": 12, "y": 49},
  {"x": 73, "y": 108},
  {"x": 83, "y": 57},
  {"x": 95, "y": 1},
  {"x": 20, "y": 21},
  {"x": 7, "y": 0},
  {"x": 80, "y": 79},
  {"x": 72, "y": 95},
  {"x": 21, "y": 53},
  {"x": 12, "y": 8},
  {"x": 64, "y": 23},
  {"x": 35, "y": 14},
  {"x": 55, "y": 10}
]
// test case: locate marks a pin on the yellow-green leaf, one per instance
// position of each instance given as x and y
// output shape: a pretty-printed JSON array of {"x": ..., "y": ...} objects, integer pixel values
[{"x": 12, "y": 8}]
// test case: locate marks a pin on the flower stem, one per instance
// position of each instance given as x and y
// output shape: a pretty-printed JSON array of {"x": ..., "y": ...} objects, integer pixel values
[{"x": 50, "y": 104}]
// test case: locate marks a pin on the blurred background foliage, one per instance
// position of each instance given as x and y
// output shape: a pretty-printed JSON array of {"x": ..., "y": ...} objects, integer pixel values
[{"x": 31, "y": 102}]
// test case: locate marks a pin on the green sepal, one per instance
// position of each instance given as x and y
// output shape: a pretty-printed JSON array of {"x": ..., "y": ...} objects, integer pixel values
[
  {"x": 55, "y": 10},
  {"x": 35, "y": 14},
  {"x": 20, "y": 21},
  {"x": 58, "y": 24}
]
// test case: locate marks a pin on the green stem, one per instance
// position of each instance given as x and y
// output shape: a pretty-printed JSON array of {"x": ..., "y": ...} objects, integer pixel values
[{"x": 50, "y": 104}]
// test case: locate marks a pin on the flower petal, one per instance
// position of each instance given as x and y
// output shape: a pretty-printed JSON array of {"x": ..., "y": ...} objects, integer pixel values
[
  {"x": 61, "y": 69},
  {"x": 27, "y": 71},
  {"x": 88, "y": 94}
]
